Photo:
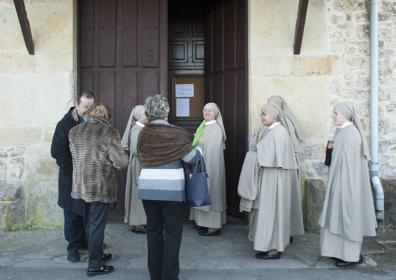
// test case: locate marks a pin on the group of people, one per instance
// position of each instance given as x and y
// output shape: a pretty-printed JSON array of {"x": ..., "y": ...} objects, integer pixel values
[
  {"x": 88, "y": 150},
  {"x": 269, "y": 185}
]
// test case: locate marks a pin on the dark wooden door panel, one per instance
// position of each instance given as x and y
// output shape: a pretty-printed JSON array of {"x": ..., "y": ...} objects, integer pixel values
[
  {"x": 229, "y": 34},
  {"x": 122, "y": 56},
  {"x": 186, "y": 36},
  {"x": 186, "y": 58},
  {"x": 107, "y": 33},
  {"x": 226, "y": 78},
  {"x": 218, "y": 37},
  {"x": 150, "y": 83},
  {"x": 198, "y": 25},
  {"x": 86, "y": 79},
  {"x": 150, "y": 33},
  {"x": 241, "y": 35},
  {"x": 218, "y": 90},
  {"x": 86, "y": 24},
  {"x": 128, "y": 30}
]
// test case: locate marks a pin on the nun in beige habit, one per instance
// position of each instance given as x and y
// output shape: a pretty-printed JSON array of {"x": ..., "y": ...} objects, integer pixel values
[
  {"x": 134, "y": 211},
  {"x": 247, "y": 190},
  {"x": 291, "y": 123},
  {"x": 277, "y": 213},
  {"x": 210, "y": 219},
  {"x": 348, "y": 212}
]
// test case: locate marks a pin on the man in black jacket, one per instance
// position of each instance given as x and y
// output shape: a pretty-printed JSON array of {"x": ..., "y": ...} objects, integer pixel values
[{"x": 74, "y": 209}]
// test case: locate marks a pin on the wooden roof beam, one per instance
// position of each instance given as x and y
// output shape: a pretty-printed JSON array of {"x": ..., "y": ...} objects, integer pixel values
[
  {"x": 25, "y": 25},
  {"x": 300, "y": 23}
]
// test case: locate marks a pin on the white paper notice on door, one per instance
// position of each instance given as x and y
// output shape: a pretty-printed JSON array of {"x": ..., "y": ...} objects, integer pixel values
[
  {"x": 182, "y": 107},
  {"x": 184, "y": 90}
]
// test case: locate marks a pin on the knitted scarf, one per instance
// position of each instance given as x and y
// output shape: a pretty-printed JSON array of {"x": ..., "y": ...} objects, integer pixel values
[{"x": 159, "y": 144}]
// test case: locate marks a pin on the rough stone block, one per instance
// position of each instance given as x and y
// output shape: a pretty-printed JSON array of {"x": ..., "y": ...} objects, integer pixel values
[
  {"x": 315, "y": 65},
  {"x": 10, "y": 192},
  {"x": 3, "y": 171},
  {"x": 12, "y": 215},
  {"x": 389, "y": 6},
  {"x": 16, "y": 151},
  {"x": 3, "y": 153},
  {"x": 15, "y": 168},
  {"x": 384, "y": 16},
  {"x": 270, "y": 65},
  {"x": 42, "y": 208},
  {"x": 315, "y": 191},
  {"x": 390, "y": 202}
]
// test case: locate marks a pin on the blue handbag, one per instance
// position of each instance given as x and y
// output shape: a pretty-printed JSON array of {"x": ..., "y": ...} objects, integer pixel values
[{"x": 197, "y": 193}]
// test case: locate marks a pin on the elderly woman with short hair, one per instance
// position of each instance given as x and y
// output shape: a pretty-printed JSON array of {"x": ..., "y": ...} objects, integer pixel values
[
  {"x": 96, "y": 151},
  {"x": 162, "y": 149}
]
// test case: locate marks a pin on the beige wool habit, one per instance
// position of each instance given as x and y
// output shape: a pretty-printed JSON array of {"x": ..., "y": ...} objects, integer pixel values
[
  {"x": 278, "y": 213},
  {"x": 348, "y": 212},
  {"x": 247, "y": 189},
  {"x": 134, "y": 211},
  {"x": 213, "y": 216}
]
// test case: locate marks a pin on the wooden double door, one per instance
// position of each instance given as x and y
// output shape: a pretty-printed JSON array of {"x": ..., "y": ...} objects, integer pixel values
[{"x": 124, "y": 57}]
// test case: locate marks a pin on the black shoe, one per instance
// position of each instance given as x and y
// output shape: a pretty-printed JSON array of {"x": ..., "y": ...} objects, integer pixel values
[
  {"x": 106, "y": 269},
  {"x": 199, "y": 228},
  {"x": 341, "y": 263},
  {"x": 107, "y": 257},
  {"x": 138, "y": 230},
  {"x": 261, "y": 255},
  {"x": 209, "y": 233},
  {"x": 275, "y": 256},
  {"x": 73, "y": 257},
  {"x": 291, "y": 239}
]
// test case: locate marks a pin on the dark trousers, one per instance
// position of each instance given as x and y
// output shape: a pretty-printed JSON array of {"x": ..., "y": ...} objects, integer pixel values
[
  {"x": 164, "y": 234},
  {"x": 97, "y": 219},
  {"x": 75, "y": 231}
]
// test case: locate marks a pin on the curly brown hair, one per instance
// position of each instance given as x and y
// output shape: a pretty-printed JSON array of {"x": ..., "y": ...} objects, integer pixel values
[{"x": 99, "y": 110}]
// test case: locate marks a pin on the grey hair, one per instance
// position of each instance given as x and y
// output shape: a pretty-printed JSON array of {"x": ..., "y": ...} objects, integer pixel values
[
  {"x": 86, "y": 93},
  {"x": 157, "y": 107}
]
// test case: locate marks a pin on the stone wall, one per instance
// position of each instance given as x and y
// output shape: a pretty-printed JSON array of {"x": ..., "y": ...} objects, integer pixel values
[
  {"x": 334, "y": 65},
  {"x": 36, "y": 90},
  {"x": 302, "y": 80},
  {"x": 348, "y": 30}
]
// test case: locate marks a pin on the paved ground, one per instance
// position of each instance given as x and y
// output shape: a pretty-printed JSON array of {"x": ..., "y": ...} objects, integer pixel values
[{"x": 41, "y": 255}]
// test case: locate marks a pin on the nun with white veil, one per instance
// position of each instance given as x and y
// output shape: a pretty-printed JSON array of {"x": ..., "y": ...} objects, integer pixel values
[
  {"x": 348, "y": 211},
  {"x": 134, "y": 211},
  {"x": 277, "y": 211},
  {"x": 210, "y": 219}
]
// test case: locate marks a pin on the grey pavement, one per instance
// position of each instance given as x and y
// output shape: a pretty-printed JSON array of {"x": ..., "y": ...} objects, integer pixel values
[{"x": 40, "y": 254}]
